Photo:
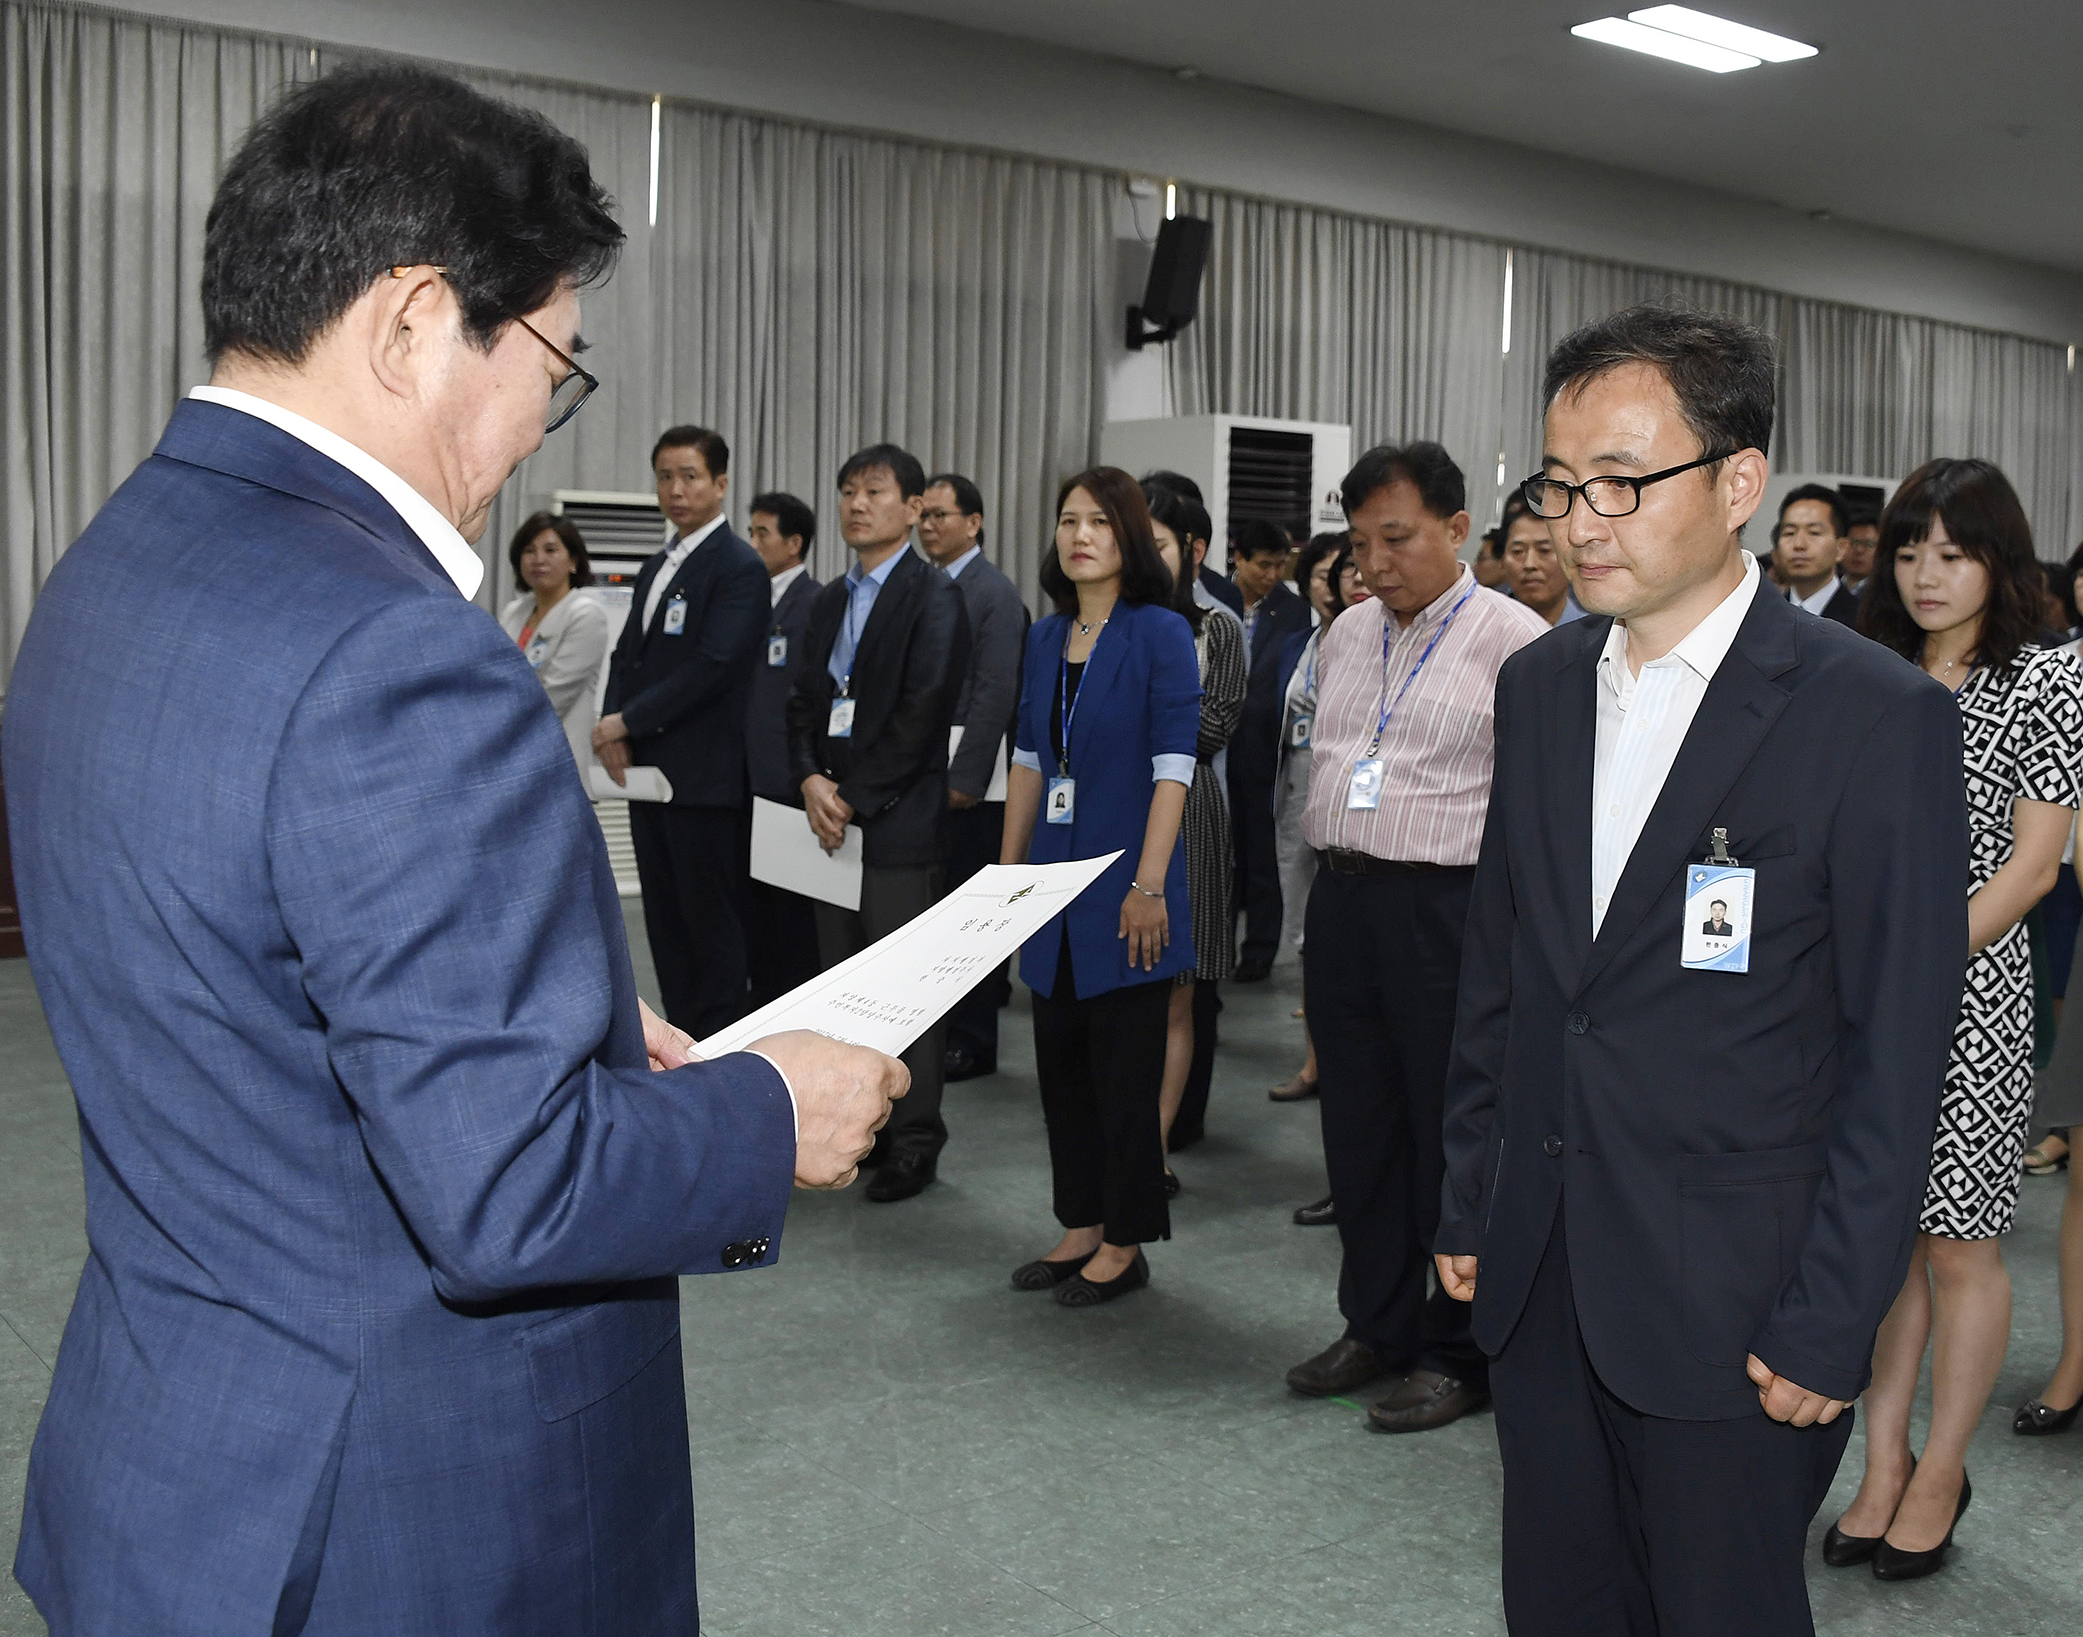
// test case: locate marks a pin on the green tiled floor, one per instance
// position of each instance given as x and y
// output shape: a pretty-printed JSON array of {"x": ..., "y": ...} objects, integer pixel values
[{"x": 889, "y": 1442}]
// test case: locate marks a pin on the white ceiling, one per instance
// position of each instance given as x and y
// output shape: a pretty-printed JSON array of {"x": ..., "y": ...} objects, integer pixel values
[{"x": 1952, "y": 121}]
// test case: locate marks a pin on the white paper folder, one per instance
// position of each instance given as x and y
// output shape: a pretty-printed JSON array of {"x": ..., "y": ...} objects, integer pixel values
[{"x": 787, "y": 853}]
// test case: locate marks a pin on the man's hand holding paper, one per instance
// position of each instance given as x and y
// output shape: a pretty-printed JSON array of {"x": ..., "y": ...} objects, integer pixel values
[{"x": 843, "y": 1095}]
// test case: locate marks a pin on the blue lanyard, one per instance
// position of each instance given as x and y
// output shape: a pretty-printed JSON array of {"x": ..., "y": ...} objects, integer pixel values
[
  {"x": 1388, "y": 631},
  {"x": 1316, "y": 643},
  {"x": 1066, "y": 701}
]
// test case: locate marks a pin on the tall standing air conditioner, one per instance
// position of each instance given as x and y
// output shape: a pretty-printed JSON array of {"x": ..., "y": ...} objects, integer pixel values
[{"x": 1286, "y": 472}]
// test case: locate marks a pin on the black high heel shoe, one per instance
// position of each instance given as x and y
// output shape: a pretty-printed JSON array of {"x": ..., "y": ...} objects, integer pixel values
[
  {"x": 1892, "y": 1563},
  {"x": 2035, "y": 1420},
  {"x": 1842, "y": 1551}
]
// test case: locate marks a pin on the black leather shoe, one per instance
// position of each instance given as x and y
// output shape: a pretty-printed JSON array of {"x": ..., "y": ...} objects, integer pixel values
[
  {"x": 1892, "y": 1563},
  {"x": 1323, "y": 1214},
  {"x": 901, "y": 1176},
  {"x": 1427, "y": 1399},
  {"x": 960, "y": 1063},
  {"x": 1171, "y": 1185},
  {"x": 1084, "y": 1292},
  {"x": 1253, "y": 971},
  {"x": 2035, "y": 1420},
  {"x": 1339, "y": 1368},
  {"x": 1842, "y": 1551},
  {"x": 1043, "y": 1274}
]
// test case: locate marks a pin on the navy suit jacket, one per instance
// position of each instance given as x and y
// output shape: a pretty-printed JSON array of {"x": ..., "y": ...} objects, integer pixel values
[
  {"x": 1744, "y": 1155},
  {"x": 766, "y": 720},
  {"x": 1255, "y": 746},
  {"x": 1223, "y": 589},
  {"x": 684, "y": 697},
  {"x": 1139, "y": 697},
  {"x": 382, "y": 1198}
]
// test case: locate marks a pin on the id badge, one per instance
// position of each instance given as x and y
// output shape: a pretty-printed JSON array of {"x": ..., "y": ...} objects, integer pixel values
[
  {"x": 840, "y": 725},
  {"x": 1365, "y": 790},
  {"x": 1298, "y": 732},
  {"x": 1718, "y": 906},
  {"x": 538, "y": 651},
  {"x": 675, "y": 616},
  {"x": 1062, "y": 800},
  {"x": 777, "y": 650}
]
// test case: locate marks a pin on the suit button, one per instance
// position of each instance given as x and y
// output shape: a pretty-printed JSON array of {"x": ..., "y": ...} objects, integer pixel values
[
  {"x": 1551, "y": 1146},
  {"x": 1577, "y": 1023},
  {"x": 733, "y": 1256}
]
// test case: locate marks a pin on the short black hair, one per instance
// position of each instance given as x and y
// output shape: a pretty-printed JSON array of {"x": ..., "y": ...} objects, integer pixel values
[
  {"x": 1425, "y": 465},
  {"x": 967, "y": 495},
  {"x": 1721, "y": 370},
  {"x": 1179, "y": 482},
  {"x": 1256, "y": 537},
  {"x": 1144, "y": 578},
  {"x": 564, "y": 529},
  {"x": 709, "y": 445},
  {"x": 373, "y": 168},
  {"x": 1984, "y": 519},
  {"x": 791, "y": 516},
  {"x": 901, "y": 464},
  {"x": 1840, "y": 518}
]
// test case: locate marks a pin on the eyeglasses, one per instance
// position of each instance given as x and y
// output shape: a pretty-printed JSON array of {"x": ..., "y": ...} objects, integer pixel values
[
  {"x": 1550, "y": 497},
  {"x": 570, "y": 393}
]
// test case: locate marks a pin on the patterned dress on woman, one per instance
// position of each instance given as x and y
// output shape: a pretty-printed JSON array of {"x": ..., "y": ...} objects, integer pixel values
[
  {"x": 2022, "y": 727},
  {"x": 1220, "y": 644}
]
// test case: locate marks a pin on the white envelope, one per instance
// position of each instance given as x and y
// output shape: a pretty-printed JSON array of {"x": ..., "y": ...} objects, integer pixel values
[
  {"x": 645, "y": 784},
  {"x": 787, "y": 853}
]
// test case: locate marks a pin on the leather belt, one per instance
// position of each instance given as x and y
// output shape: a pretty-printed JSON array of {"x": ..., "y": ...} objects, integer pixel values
[{"x": 1343, "y": 861}]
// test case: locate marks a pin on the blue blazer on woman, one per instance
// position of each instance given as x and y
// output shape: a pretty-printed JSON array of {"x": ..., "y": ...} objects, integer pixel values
[{"x": 1140, "y": 698}]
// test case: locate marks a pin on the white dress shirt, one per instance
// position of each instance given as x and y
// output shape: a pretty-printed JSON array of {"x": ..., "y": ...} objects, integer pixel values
[
  {"x": 954, "y": 569},
  {"x": 1642, "y": 721},
  {"x": 777, "y": 586},
  {"x": 676, "y": 554},
  {"x": 458, "y": 559},
  {"x": 1820, "y": 600}
]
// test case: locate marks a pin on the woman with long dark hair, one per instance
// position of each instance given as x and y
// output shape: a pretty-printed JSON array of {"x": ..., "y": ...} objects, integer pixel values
[
  {"x": 1110, "y": 710},
  {"x": 1957, "y": 590}
]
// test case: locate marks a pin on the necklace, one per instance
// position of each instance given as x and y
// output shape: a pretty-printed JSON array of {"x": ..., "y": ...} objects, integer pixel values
[{"x": 1085, "y": 626}]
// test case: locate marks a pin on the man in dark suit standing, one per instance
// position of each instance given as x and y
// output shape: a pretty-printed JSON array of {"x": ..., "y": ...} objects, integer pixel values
[
  {"x": 951, "y": 533},
  {"x": 678, "y": 687},
  {"x": 1272, "y": 613},
  {"x": 1810, "y": 541},
  {"x": 867, "y": 737},
  {"x": 781, "y": 934},
  {"x": 1690, "y": 1191}
]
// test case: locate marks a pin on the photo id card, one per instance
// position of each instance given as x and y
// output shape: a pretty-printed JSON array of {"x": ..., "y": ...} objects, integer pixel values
[
  {"x": 1062, "y": 801},
  {"x": 1365, "y": 789},
  {"x": 1298, "y": 731},
  {"x": 675, "y": 616},
  {"x": 1718, "y": 903},
  {"x": 840, "y": 724},
  {"x": 777, "y": 649}
]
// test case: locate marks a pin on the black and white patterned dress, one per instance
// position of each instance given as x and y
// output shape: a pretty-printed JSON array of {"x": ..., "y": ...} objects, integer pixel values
[
  {"x": 1220, "y": 644},
  {"x": 2022, "y": 726}
]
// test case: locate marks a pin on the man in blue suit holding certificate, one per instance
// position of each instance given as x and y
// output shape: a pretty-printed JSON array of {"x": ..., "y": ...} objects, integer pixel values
[{"x": 387, "y": 1170}]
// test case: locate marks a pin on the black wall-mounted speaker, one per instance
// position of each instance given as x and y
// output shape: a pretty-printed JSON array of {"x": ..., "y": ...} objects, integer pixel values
[{"x": 1172, "y": 294}]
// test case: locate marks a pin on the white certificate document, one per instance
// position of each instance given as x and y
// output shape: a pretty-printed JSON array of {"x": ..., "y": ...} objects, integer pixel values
[
  {"x": 899, "y": 987},
  {"x": 787, "y": 853},
  {"x": 645, "y": 784},
  {"x": 995, "y": 791}
]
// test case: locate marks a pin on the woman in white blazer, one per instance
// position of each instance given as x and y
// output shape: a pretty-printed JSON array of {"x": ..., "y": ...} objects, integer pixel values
[{"x": 561, "y": 626}]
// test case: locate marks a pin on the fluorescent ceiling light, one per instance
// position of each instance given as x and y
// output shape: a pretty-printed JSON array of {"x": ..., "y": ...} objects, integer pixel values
[
  {"x": 1711, "y": 30},
  {"x": 1654, "y": 41}
]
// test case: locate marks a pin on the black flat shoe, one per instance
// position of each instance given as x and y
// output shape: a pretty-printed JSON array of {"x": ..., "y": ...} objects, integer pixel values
[
  {"x": 1892, "y": 1563},
  {"x": 1083, "y": 1292},
  {"x": 2035, "y": 1420},
  {"x": 1047, "y": 1275},
  {"x": 1171, "y": 1186}
]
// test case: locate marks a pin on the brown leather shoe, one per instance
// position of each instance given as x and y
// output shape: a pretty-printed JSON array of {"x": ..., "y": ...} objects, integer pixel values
[
  {"x": 1339, "y": 1368},
  {"x": 1426, "y": 1400}
]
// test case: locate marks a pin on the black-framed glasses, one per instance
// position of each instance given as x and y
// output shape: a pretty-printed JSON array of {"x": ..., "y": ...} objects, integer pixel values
[
  {"x": 1551, "y": 498},
  {"x": 569, "y": 395}
]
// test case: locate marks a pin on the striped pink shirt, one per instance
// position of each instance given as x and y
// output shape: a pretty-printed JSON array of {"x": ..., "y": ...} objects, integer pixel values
[{"x": 1438, "y": 748}]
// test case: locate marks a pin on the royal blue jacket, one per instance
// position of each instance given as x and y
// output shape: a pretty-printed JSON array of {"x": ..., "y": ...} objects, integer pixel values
[{"x": 1139, "y": 699}]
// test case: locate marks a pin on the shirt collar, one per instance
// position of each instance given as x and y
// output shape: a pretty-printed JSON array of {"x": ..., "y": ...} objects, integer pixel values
[
  {"x": 1704, "y": 647},
  {"x": 458, "y": 560},
  {"x": 1821, "y": 600},
  {"x": 954, "y": 569},
  {"x": 1438, "y": 608},
  {"x": 686, "y": 543},
  {"x": 777, "y": 586},
  {"x": 880, "y": 574}
]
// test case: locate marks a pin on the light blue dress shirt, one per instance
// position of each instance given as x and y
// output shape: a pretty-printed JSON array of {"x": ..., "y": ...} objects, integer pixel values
[{"x": 861, "y": 592}]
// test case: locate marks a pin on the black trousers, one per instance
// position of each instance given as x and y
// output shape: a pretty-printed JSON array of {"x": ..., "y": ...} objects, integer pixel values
[
  {"x": 1101, "y": 1065},
  {"x": 780, "y": 941},
  {"x": 1624, "y": 1523},
  {"x": 974, "y": 836},
  {"x": 1257, "y": 877},
  {"x": 889, "y": 898},
  {"x": 1380, "y": 970},
  {"x": 691, "y": 864},
  {"x": 1192, "y": 1118}
]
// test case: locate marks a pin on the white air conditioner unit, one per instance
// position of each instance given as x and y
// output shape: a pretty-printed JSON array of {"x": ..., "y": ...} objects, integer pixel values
[
  {"x": 1286, "y": 472},
  {"x": 621, "y": 530}
]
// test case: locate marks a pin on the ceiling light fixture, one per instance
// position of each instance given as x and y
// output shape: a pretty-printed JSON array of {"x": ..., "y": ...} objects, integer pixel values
[
  {"x": 1655, "y": 42},
  {"x": 1712, "y": 30}
]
